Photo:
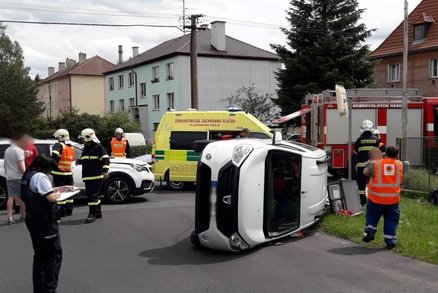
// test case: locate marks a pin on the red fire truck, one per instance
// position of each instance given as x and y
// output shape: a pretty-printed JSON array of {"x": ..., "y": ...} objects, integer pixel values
[{"x": 323, "y": 126}]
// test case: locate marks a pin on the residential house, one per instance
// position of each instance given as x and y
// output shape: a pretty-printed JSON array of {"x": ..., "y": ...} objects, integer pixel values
[
  {"x": 158, "y": 80},
  {"x": 422, "y": 56},
  {"x": 78, "y": 85}
]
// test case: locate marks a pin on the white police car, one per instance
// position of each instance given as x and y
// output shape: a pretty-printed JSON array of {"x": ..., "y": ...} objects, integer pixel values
[
  {"x": 253, "y": 191},
  {"x": 127, "y": 177}
]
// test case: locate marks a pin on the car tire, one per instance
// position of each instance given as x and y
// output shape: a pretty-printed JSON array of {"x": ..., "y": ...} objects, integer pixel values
[
  {"x": 194, "y": 238},
  {"x": 3, "y": 194},
  {"x": 175, "y": 185},
  {"x": 117, "y": 190}
]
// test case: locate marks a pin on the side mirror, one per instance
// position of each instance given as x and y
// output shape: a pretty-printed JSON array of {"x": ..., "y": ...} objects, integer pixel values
[{"x": 277, "y": 138}]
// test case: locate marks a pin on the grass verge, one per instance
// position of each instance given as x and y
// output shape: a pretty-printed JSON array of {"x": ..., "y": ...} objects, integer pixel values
[{"x": 417, "y": 231}]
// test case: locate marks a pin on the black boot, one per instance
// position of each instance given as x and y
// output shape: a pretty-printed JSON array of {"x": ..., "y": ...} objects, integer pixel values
[
  {"x": 98, "y": 211},
  {"x": 69, "y": 209},
  {"x": 91, "y": 215}
]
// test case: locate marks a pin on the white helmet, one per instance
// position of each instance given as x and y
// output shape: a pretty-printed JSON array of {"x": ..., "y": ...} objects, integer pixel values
[
  {"x": 376, "y": 132},
  {"x": 367, "y": 125},
  {"x": 118, "y": 131},
  {"x": 62, "y": 134},
  {"x": 88, "y": 134}
]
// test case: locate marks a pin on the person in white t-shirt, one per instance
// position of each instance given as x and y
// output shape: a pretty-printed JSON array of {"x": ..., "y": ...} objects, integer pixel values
[{"x": 14, "y": 169}]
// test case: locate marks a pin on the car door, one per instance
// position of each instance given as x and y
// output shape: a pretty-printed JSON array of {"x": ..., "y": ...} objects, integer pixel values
[{"x": 77, "y": 169}]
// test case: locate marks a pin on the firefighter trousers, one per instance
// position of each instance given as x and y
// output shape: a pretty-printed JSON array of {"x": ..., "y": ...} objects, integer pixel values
[
  {"x": 47, "y": 259},
  {"x": 391, "y": 217},
  {"x": 362, "y": 182},
  {"x": 66, "y": 206},
  {"x": 93, "y": 191}
]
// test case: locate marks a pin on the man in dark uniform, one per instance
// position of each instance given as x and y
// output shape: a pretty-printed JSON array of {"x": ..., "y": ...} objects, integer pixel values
[
  {"x": 366, "y": 142},
  {"x": 95, "y": 166},
  {"x": 64, "y": 155}
]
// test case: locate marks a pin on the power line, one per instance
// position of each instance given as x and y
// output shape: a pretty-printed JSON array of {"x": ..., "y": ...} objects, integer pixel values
[{"x": 89, "y": 24}]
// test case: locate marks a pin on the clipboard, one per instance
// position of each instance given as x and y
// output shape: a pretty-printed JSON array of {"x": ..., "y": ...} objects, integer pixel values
[{"x": 67, "y": 195}]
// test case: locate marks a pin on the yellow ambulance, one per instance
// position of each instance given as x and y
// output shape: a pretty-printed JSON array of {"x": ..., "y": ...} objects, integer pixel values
[{"x": 174, "y": 159}]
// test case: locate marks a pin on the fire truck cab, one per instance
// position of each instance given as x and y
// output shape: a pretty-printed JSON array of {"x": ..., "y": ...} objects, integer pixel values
[{"x": 322, "y": 126}]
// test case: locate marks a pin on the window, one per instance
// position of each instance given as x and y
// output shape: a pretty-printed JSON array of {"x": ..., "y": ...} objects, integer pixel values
[
  {"x": 183, "y": 140},
  {"x": 122, "y": 105},
  {"x": 111, "y": 107},
  {"x": 156, "y": 124},
  {"x": 433, "y": 68},
  {"x": 111, "y": 83},
  {"x": 169, "y": 71},
  {"x": 155, "y": 74},
  {"x": 131, "y": 102},
  {"x": 121, "y": 82},
  {"x": 282, "y": 193},
  {"x": 394, "y": 73},
  {"x": 3, "y": 148},
  {"x": 170, "y": 101},
  {"x": 131, "y": 78},
  {"x": 420, "y": 32},
  {"x": 156, "y": 99},
  {"x": 143, "y": 90}
]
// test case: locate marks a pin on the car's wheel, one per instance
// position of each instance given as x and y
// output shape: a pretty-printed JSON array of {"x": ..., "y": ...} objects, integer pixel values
[
  {"x": 3, "y": 194},
  {"x": 117, "y": 189},
  {"x": 174, "y": 185},
  {"x": 194, "y": 238}
]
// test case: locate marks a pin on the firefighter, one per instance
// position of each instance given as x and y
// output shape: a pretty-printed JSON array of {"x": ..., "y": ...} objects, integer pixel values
[
  {"x": 382, "y": 146},
  {"x": 95, "y": 166},
  {"x": 384, "y": 196},
  {"x": 366, "y": 142},
  {"x": 119, "y": 145},
  {"x": 64, "y": 155}
]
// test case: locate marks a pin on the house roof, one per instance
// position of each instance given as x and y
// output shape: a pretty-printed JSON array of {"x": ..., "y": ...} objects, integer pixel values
[
  {"x": 424, "y": 13},
  {"x": 93, "y": 66},
  {"x": 181, "y": 46}
]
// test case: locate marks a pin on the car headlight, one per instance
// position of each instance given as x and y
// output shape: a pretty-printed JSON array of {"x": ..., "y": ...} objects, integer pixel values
[
  {"x": 240, "y": 153},
  {"x": 140, "y": 168},
  {"x": 237, "y": 242}
]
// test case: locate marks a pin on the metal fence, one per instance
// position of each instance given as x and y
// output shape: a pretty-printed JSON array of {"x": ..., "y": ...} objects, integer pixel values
[{"x": 422, "y": 154}]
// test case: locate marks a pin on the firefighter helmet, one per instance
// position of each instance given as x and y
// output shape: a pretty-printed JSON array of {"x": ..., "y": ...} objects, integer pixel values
[
  {"x": 62, "y": 134},
  {"x": 88, "y": 134},
  {"x": 367, "y": 125},
  {"x": 376, "y": 133},
  {"x": 118, "y": 131}
]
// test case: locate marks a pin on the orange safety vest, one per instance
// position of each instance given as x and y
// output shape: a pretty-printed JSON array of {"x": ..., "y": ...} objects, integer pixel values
[
  {"x": 67, "y": 158},
  {"x": 118, "y": 147},
  {"x": 384, "y": 186}
]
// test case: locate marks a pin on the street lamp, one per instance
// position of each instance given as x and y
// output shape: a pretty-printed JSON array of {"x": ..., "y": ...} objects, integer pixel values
[{"x": 405, "y": 84}]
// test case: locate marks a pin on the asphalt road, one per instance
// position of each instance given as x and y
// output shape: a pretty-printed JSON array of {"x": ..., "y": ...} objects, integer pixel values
[{"x": 145, "y": 247}]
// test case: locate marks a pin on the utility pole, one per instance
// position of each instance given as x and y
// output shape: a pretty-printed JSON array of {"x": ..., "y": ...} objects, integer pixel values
[
  {"x": 194, "y": 61},
  {"x": 184, "y": 17},
  {"x": 405, "y": 85}
]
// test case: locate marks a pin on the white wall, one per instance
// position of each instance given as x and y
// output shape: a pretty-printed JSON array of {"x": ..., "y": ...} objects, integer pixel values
[{"x": 219, "y": 78}]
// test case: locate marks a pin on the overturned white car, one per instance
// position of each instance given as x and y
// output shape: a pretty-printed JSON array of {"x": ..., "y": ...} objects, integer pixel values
[{"x": 253, "y": 191}]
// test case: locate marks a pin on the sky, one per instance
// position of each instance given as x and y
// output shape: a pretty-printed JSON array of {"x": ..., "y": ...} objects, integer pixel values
[{"x": 253, "y": 21}]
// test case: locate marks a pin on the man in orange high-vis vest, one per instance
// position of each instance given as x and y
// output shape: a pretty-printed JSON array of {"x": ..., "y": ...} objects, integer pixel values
[
  {"x": 64, "y": 155},
  {"x": 384, "y": 196},
  {"x": 119, "y": 145}
]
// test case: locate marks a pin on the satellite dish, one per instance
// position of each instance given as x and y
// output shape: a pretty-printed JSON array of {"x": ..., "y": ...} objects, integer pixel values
[{"x": 341, "y": 98}]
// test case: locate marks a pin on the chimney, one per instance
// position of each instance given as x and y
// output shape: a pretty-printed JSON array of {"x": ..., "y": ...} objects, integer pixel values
[
  {"x": 134, "y": 51},
  {"x": 82, "y": 57},
  {"x": 69, "y": 62},
  {"x": 218, "y": 35},
  {"x": 61, "y": 66},
  {"x": 120, "y": 54},
  {"x": 51, "y": 70}
]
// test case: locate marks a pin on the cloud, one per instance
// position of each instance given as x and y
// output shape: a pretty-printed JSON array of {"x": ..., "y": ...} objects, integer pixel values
[{"x": 46, "y": 45}]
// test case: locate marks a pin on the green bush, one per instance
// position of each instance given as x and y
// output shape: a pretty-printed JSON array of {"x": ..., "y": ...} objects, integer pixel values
[
  {"x": 420, "y": 179},
  {"x": 140, "y": 150},
  {"x": 74, "y": 122}
]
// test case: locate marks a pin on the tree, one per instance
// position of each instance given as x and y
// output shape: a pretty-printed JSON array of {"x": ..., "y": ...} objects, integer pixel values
[
  {"x": 250, "y": 101},
  {"x": 324, "y": 47},
  {"x": 19, "y": 108}
]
